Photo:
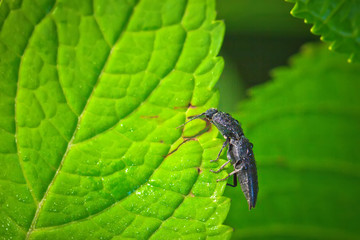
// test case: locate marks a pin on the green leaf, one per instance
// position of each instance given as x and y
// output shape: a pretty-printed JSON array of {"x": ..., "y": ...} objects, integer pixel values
[
  {"x": 306, "y": 133},
  {"x": 91, "y": 94},
  {"x": 337, "y": 21}
]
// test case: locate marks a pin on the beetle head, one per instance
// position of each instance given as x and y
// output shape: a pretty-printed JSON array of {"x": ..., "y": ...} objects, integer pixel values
[{"x": 210, "y": 113}]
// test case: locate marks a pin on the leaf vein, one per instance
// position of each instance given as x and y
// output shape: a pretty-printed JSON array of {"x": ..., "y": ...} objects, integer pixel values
[
  {"x": 15, "y": 115},
  {"x": 41, "y": 203}
]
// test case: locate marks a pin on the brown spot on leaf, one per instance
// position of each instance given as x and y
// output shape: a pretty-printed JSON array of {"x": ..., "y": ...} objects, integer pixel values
[
  {"x": 186, "y": 140},
  {"x": 206, "y": 129},
  {"x": 191, "y": 106},
  {"x": 145, "y": 117}
]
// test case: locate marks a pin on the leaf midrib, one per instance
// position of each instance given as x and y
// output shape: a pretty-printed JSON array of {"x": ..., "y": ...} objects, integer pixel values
[
  {"x": 70, "y": 143},
  {"x": 15, "y": 101}
]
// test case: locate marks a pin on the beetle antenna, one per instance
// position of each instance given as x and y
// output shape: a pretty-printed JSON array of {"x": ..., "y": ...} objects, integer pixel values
[{"x": 198, "y": 116}]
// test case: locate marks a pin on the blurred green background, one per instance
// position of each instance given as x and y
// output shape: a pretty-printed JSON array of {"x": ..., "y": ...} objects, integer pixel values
[
  {"x": 260, "y": 35},
  {"x": 303, "y": 119}
]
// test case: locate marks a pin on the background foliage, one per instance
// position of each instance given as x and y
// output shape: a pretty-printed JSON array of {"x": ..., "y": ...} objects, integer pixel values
[
  {"x": 337, "y": 21},
  {"x": 304, "y": 122}
]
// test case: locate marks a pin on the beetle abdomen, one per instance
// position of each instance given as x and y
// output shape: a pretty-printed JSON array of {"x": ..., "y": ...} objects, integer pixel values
[{"x": 249, "y": 184}]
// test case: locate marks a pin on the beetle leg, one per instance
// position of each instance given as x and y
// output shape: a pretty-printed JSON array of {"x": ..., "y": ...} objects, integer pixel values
[
  {"x": 223, "y": 146},
  {"x": 230, "y": 174},
  {"x": 221, "y": 168},
  {"x": 235, "y": 182}
]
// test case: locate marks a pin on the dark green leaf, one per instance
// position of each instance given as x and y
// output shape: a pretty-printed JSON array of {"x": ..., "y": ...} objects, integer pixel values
[
  {"x": 306, "y": 133},
  {"x": 337, "y": 21}
]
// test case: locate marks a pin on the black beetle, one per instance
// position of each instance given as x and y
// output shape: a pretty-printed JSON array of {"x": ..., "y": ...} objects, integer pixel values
[{"x": 239, "y": 153}]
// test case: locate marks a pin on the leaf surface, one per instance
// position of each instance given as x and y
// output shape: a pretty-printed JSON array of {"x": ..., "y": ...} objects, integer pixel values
[
  {"x": 305, "y": 129},
  {"x": 337, "y": 21},
  {"x": 91, "y": 95}
]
